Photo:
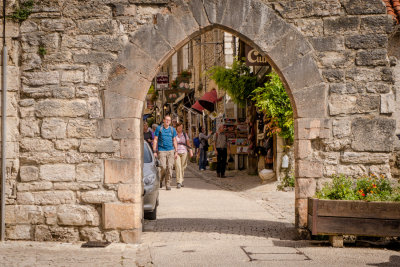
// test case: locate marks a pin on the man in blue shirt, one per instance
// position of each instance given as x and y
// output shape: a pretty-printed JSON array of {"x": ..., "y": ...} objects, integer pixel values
[{"x": 165, "y": 147}]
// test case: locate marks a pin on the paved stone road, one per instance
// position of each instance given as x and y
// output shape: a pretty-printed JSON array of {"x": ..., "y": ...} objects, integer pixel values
[{"x": 210, "y": 222}]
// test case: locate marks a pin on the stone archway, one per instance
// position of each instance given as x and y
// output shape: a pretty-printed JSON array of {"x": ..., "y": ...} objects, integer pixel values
[{"x": 256, "y": 23}]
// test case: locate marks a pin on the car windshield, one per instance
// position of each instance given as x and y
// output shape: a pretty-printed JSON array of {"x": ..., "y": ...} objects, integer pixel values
[{"x": 147, "y": 154}]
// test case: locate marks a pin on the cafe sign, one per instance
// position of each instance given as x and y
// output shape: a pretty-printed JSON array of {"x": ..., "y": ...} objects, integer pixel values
[{"x": 254, "y": 58}]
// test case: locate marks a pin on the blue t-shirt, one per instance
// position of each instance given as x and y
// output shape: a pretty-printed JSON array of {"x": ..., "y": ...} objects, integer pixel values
[{"x": 165, "y": 143}]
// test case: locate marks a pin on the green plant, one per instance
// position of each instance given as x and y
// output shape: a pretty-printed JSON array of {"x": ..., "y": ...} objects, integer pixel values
[
  {"x": 273, "y": 100},
  {"x": 237, "y": 81},
  {"x": 287, "y": 181},
  {"x": 23, "y": 12},
  {"x": 368, "y": 188},
  {"x": 42, "y": 51}
]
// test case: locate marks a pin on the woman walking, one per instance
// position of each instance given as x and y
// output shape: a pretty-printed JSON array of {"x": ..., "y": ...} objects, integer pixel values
[{"x": 182, "y": 159}]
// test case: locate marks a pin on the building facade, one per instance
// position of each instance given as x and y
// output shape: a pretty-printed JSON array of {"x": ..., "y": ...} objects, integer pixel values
[{"x": 79, "y": 72}]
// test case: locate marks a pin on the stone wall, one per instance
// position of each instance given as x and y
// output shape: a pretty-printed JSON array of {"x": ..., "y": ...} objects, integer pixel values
[{"x": 75, "y": 111}]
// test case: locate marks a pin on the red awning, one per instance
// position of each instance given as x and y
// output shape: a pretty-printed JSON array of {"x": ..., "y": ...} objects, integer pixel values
[
  {"x": 208, "y": 100},
  {"x": 196, "y": 106}
]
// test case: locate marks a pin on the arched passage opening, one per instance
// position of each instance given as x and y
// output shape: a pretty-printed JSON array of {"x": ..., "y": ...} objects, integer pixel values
[{"x": 150, "y": 46}]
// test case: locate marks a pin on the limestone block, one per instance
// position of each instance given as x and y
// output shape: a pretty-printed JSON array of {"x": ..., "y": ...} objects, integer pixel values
[
  {"x": 308, "y": 169},
  {"x": 31, "y": 61},
  {"x": 373, "y": 134},
  {"x": 380, "y": 88},
  {"x": 53, "y": 128},
  {"x": 97, "y": 26},
  {"x": 78, "y": 186},
  {"x": 89, "y": 172},
  {"x": 122, "y": 216},
  {"x": 61, "y": 108},
  {"x": 38, "y": 92},
  {"x": 81, "y": 128},
  {"x": 42, "y": 157},
  {"x": 12, "y": 150},
  {"x": 311, "y": 101},
  {"x": 28, "y": 173},
  {"x": 64, "y": 92},
  {"x": 99, "y": 146},
  {"x": 130, "y": 193},
  {"x": 330, "y": 157},
  {"x": 42, "y": 233},
  {"x": 364, "y": 158},
  {"x": 98, "y": 197},
  {"x": 23, "y": 214},
  {"x": 126, "y": 128},
  {"x": 119, "y": 106},
  {"x": 50, "y": 214},
  {"x": 312, "y": 128},
  {"x": 376, "y": 57},
  {"x": 305, "y": 187},
  {"x": 29, "y": 127},
  {"x": 303, "y": 149},
  {"x": 301, "y": 216},
  {"x": 34, "y": 186},
  {"x": 107, "y": 43},
  {"x": 94, "y": 57},
  {"x": 87, "y": 91},
  {"x": 13, "y": 78},
  {"x": 112, "y": 236},
  {"x": 341, "y": 25},
  {"x": 341, "y": 128},
  {"x": 35, "y": 144},
  {"x": 40, "y": 78},
  {"x": 57, "y": 172},
  {"x": 66, "y": 144},
  {"x": 388, "y": 104},
  {"x": 91, "y": 234},
  {"x": 130, "y": 84},
  {"x": 25, "y": 198},
  {"x": 366, "y": 41},
  {"x": 54, "y": 198},
  {"x": 379, "y": 170},
  {"x": 94, "y": 107},
  {"x": 134, "y": 59},
  {"x": 304, "y": 73},
  {"x": 78, "y": 215},
  {"x": 58, "y": 25},
  {"x": 310, "y": 27},
  {"x": 131, "y": 236},
  {"x": 64, "y": 234},
  {"x": 28, "y": 26},
  {"x": 12, "y": 104},
  {"x": 19, "y": 232},
  {"x": 12, "y": 133},
  {"x": 336, "y": 241},
  {"x": 352, "y": 170},
  {"x": 333, "y": 75},
  {"x": 152, "y": 43},
  {"x": 104, "y": 128},
  {"x": 87, "y": 10},
  {"x": 327, "y": 43},
  {"x": 93, "y": 74},
  {"x": 72, "y": 76},
  {"x": 78, "y": 41},
  {"x": 132, "y": 148},
  {"x": 376, "y": 24},
  {"x": 127, "y": 171},
  {"x": 339, "y": 59},
  {"x": 362, "y": 7}
]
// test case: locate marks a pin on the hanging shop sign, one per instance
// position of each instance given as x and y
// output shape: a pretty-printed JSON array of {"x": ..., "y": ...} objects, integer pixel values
[
  {"x": 162, "y": 80},
  {"x": 254, "y": 58}
]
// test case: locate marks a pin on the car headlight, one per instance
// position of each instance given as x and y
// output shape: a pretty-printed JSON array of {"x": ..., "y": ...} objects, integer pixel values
[{"x": 148, "y": 180}]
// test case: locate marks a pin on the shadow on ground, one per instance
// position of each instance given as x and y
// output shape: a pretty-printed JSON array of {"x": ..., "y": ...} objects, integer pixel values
[{"x": 257, "y": 228}]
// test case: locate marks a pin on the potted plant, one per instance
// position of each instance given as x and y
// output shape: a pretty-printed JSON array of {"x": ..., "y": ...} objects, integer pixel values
[{"x": 367, "y": 206}]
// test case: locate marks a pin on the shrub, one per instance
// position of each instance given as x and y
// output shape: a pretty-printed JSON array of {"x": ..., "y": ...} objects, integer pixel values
[{"x": 368, "y": 188}]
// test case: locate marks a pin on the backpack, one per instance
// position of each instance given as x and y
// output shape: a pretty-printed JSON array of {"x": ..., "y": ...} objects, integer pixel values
[{"x": 196, "y": 142}]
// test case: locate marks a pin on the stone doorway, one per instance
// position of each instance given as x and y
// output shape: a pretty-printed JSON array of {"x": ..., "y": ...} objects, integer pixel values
[{"x": 259, "y": 26}]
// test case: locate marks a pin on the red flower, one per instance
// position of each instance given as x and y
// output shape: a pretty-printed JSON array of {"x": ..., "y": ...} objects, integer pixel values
[
  {"x": 363, "y": 194},
  {"x": 374, "y": 185}
]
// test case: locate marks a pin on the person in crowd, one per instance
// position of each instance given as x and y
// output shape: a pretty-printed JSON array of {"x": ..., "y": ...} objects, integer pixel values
[
  {"x": 184, "y": 148},
  {"x": 153, "y": 129},
  {"x": 165, "y": 147},
  {"x": 148, "y": 136},
  {"x": 221, "y": 146},
  {"x": 203, "y": 148}
]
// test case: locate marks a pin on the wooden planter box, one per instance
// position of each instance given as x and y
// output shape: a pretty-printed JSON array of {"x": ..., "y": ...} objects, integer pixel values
[{"x": 347, "y": 217}]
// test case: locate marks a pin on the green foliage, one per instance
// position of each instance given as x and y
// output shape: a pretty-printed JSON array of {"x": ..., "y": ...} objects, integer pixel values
[
  {"x": 368, "y": 188},
  {"x": 236, "y": 81},
  {"x": 23, "y": 12},
  {"x": 287, "y": 181},
  {"x": 273, "y": 100},
  {"x": 42, "y": 51}
]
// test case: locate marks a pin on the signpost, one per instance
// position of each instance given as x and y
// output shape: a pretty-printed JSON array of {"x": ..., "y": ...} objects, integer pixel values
[{"x": 254, "y": 58}]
